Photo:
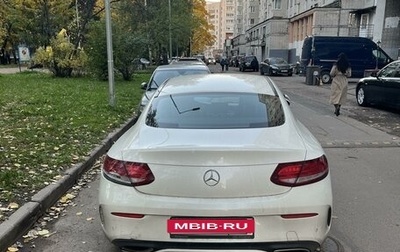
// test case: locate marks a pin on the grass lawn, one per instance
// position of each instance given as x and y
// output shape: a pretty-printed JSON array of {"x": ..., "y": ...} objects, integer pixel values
[{"x": 48, "y": 124}]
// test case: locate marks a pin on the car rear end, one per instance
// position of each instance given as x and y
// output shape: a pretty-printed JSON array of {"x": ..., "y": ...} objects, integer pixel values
[
  {"x": 260, "y": 188},
  {"x": 263, "y": 204}
]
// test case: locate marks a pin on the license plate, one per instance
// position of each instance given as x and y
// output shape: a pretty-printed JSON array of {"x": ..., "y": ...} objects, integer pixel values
[
  {"x": 284, "y": 71},
  {"x": 211, "y": 226}
]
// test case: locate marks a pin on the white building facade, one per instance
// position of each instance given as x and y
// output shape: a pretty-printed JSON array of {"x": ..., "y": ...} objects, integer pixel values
[
  {"x": 222, "y": 17},
  {"x": 277, "y": 28}
]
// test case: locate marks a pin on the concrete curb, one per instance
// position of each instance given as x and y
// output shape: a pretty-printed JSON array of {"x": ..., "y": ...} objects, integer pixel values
[{"x": 20, "y": 222}]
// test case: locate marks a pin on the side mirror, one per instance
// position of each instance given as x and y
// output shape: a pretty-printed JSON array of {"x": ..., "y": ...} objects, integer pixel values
[{"x": 143, "y": 85}]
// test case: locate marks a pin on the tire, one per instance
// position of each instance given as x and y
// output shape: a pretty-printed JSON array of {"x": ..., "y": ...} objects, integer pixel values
[
  {"x": 361, "y": 96},
  {"x": 326, "y": 77},
  {"x": 290, "y": 74},
  {"x": 261, "y": 71}
]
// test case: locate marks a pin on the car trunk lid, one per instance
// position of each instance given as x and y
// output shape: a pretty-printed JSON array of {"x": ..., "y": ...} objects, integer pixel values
[{"x": 215, "y": 164}]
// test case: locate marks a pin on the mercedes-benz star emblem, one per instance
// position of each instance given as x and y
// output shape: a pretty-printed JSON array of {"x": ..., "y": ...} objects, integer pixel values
[{"x": 211, "y": 177}]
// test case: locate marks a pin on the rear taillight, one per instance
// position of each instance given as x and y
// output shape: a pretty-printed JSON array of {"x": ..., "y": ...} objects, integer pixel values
[
  {"x": 301, "y": 173},
  {"x": 127, "y": 173}
]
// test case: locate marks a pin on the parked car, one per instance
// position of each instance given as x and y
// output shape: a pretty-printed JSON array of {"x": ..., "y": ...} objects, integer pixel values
[
  {"x": 202, "y": 58},
  {"x": 248, "y": 62},
  {"x": 276, "y": 66},
  {"x": 234, "y": 62},
  {"x": 164, "y": 72},
  {"x": 211, "y": 61},
  {"x": 382, "y": 88},
  {"x": 216, "y": 162}
]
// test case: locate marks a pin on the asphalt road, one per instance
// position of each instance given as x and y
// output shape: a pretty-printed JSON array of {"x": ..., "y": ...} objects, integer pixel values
[{"x": 363, "y": 159}]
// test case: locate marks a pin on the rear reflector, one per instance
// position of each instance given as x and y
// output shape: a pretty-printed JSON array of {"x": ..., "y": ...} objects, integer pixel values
[
  {"x": 128, "y": 215},
  {"x": 301, "y": 173},
  {"x": 127, "y": 173},
  {"x": 298, "y": 216}
]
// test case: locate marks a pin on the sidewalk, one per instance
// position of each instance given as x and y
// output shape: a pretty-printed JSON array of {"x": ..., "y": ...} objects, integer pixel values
[
  {"x": 12, "y": 70},
  {"x": 331, "y": 131}
]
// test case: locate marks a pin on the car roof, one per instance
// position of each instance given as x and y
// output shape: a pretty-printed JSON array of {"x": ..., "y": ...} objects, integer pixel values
[
  {"x": 219, "y": 82},
  {"x": 187, "y": 59},
  {"x": 181, "y": 66},
  {"x": 394, "y": 61},
  {"x": 197, "y": 62}
]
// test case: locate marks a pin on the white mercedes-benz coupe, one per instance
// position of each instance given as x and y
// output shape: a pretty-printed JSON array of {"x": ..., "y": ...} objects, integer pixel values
[{"x": 216, "y": 161}]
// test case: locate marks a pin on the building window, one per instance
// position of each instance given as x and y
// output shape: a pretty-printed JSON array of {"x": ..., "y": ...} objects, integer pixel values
[
  {"x": 364, "y": 21},
  {"x": 277, "y": 4},
  {"x": 252, "y": 21}
]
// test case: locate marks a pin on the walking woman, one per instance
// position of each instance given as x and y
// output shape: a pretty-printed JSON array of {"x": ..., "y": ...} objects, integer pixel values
[{"x": 340, "y": 71}]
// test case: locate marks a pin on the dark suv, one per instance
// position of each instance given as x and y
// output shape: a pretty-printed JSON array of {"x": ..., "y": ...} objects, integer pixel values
[{"x": 248, "y": 62}]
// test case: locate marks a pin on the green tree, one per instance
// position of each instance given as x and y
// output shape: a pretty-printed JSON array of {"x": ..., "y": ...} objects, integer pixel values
[
  {"x": 96, "y": 48},
  {"x": 190, "y": 30},
  {"x": 8, "y": 20},
  {"x": 38, "y": 21},
  {"x": 130, "y": 41},
  {"x": 35, "y": 22}
]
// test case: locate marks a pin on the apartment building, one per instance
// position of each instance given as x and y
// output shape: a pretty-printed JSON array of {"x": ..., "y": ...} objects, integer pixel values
[
  {"x": 268, "y": 28},
  {"x": 214, "y": 14},
  {"x": 222, "y": 17}
]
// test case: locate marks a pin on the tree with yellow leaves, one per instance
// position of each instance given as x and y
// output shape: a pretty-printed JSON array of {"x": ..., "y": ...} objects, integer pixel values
[{"x": 201, "y": 31}]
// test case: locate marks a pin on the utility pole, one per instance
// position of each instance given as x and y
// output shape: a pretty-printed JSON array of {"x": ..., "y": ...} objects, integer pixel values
[
  {"x": 110, "y": 54},
  {"x": 170, "y": 36},
  {"x": 77, "y": 23}
]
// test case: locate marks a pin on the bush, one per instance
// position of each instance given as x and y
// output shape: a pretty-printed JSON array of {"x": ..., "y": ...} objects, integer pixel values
[
  {"x": 61, "y": 57},
  {"x": 97, "y": 51},
  {"x": 128, "y": 47}
]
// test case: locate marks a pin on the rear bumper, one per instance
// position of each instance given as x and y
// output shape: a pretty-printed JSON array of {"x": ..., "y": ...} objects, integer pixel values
[
  {"x": 271, "y": 228},
  {"x": 299, "y": 246}
]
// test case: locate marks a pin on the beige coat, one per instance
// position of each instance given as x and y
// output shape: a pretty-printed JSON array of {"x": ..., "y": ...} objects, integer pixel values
[{"x": 339, "y": 85}]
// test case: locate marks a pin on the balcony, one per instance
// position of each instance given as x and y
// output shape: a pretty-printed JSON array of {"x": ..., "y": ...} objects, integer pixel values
[{"x": 366, "y": 31}]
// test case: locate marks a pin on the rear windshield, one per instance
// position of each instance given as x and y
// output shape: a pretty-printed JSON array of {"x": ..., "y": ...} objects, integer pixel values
[{"x": 215, "y": 111}]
